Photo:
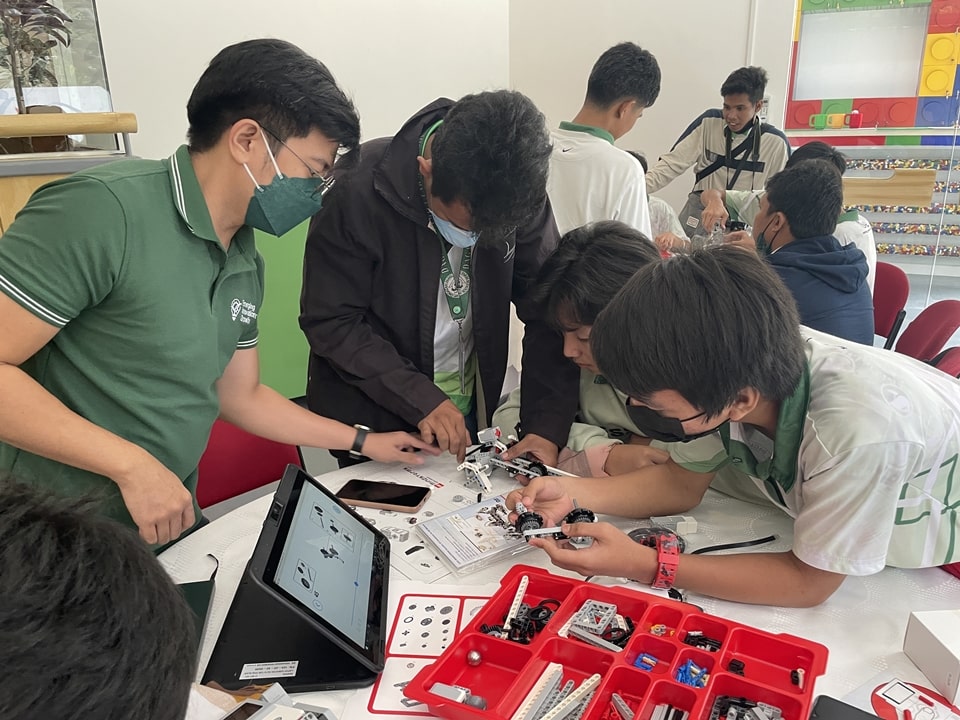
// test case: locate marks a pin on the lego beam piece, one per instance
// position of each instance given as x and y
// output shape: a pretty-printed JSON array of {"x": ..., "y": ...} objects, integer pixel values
[
  {"x": 573, "y": 701},
  {"x": 539, "y": 532},
  {"x": 595, "y": 640},
  {"x": 595, "y": 616},
  {"x": 515, "y": 606},
  {"x": 543, "y": 690},
  {"x": 620, "y": 705}
]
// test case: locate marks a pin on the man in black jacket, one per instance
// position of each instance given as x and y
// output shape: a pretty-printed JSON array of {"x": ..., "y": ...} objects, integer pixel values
[{"x": 410, "y": 269}]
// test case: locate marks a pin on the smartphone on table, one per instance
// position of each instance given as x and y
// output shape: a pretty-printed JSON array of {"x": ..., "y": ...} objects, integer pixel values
[{"x": 384, "y": 495}]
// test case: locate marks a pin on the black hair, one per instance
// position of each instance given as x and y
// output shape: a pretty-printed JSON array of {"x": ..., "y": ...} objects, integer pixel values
[
  {"x": 624, "y": 72},
  {"x": 817, "y": 150},
  {"x": 750, "y": 81},
  {"x": 492, "y": 152},
  {"x": 91, "y": 625},
  {"x": 585, "y": 271},
  {"x": 640, "y": 158},
  {"x": 706, "y": 325},
  {"x": 810, "y": 195},
  {"x": 276, "y": 84}
]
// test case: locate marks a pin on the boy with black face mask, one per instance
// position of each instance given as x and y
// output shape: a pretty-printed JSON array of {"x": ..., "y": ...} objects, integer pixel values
[{"x": 857, "y": 444}]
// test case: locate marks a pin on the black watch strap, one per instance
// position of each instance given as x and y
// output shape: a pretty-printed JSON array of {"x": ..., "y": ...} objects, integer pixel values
[{"x": 356, "y": 450}]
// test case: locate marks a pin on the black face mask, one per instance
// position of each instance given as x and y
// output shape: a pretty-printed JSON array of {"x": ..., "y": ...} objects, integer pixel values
[{"x": 666, "y": 429}]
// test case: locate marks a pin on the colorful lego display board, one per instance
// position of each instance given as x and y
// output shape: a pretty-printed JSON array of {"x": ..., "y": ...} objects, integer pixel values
[
  {"x": 937, "y": 75},
  {"x": 546, "y": 647}
]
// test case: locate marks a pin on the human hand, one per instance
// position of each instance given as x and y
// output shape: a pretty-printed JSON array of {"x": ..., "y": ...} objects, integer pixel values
[
  {"x": 534, "y": 446},
  {"x": 714, "y": 210},
  {"x": 396, "y": 447},
  {"x": 612, "y": 552},
  {"x": 741, "y": 239},
  {"x": 544, "y": 496},
  {"x": 445, "y": 426},
  {"x": 668, "y": 242},
  {"x": 627, "y": 458},
  {"x": 157, "y": 501}
]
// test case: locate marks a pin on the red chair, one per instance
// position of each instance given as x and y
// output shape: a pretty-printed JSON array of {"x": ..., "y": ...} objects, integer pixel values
[
  {"x": 931, "y": 330},
  {"x": 236, "y": 462},
  {"x": 890, "y": 292},
  {"x": 949, "y": 362}
]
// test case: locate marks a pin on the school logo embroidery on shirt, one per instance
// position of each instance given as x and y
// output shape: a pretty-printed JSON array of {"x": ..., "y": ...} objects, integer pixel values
[{"x": 245, "y": 311}]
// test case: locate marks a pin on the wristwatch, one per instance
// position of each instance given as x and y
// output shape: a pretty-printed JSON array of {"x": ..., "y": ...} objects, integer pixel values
[
  {"x": 668, "y": 557},
  {"x": 356, "y": 450}
]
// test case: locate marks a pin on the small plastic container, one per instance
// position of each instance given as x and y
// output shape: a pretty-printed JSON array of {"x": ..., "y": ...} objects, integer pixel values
[{"x": 509, "y": 673}]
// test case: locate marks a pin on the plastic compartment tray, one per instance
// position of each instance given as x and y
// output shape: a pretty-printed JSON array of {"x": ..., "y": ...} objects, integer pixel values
[{"x": 508, "y": 671}]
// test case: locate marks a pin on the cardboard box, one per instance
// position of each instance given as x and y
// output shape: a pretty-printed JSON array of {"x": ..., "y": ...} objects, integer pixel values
[{"x": 932, "y": 641}]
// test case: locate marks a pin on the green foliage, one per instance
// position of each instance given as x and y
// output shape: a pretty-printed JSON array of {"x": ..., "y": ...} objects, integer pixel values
[{"x": 29, "y": 29}]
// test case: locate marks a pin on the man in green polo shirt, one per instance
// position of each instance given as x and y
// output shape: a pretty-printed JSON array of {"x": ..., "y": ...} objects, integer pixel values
[{"x": 129, "y": 296}]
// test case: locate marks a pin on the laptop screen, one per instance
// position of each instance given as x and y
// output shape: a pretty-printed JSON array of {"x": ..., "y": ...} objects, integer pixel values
[{"x": 333, "y": 565}]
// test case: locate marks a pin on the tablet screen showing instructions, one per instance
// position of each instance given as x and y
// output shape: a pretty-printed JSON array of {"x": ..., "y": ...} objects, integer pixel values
[{"x": 327, "y": 565}]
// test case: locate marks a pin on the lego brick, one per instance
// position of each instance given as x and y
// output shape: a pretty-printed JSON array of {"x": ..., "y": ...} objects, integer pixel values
[
  {"x": 941, "y": 49},
  {"x": 837, "y": 106},
  {"x": 799, "y": 112},
  {"x": 944, "y": 16},
  {"x": 936, "y": 80},
  {"x": 936, "y": 112}
]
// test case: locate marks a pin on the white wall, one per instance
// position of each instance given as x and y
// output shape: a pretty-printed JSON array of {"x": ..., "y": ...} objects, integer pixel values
[
  {"x": 391, "y": 57},
  {"x": 554, "y": 44}
]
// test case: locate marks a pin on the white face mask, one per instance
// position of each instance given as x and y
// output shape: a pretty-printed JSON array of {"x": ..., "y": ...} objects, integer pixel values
[{"x": 452, "y": 234}]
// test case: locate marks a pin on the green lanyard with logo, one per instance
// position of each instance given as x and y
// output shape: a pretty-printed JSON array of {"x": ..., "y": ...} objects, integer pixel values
[{"x": 456, "y": 287}]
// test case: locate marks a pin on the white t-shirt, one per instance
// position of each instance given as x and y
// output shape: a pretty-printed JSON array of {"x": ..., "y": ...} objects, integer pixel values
[
  {"x": 591, "y": 179},
  {"x": 866, "y": 460},
  {"x": 858, "y": 232}
]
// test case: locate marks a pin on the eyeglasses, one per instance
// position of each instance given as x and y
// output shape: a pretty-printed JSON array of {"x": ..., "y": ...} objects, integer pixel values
[{"x": 326, "y": 181}]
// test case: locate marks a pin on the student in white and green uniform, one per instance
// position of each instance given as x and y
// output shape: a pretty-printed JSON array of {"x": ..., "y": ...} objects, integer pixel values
[{"x": 859, "y": 445}]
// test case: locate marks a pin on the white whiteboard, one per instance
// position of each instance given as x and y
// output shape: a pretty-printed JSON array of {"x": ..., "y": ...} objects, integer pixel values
[{"x": 860, "y": 53}]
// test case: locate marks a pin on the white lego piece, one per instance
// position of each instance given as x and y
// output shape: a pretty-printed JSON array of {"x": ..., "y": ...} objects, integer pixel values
[{"x": 680, "y": 524}]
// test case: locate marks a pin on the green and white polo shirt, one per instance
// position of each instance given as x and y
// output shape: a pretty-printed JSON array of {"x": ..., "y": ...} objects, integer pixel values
[
  {"x": 865, "y": 459},
  {"x": 124, "y": 261}
]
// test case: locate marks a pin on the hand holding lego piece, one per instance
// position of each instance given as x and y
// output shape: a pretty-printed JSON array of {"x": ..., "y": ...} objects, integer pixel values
[{"x": 544, "y": 496}]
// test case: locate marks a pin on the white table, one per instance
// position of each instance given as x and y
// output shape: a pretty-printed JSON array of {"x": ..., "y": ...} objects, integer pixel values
[{"x": 862, "y": 624}]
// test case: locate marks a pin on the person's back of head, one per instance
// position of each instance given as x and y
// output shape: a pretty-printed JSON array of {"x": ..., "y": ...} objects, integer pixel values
[
  {"x": 705, "y": 325},
  {"x": 588, "y": 267},
  {"x": 276, "y": 84},
  {"x": 624, "y": 72},
  {"x": 492, "y": 152},
  {"x": 91, "y": 626},
  {"x": 810, "y": 196},
  {"x": 750, "y": 81},
  {"x": 818, "y": 150}
]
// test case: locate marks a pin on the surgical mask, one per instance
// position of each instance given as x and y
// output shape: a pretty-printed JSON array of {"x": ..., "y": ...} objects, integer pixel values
[
  {"x": 765, "y": 247},
  {"x": 286, "y": 202},
  {"x": 452, "y": 234},
  {"x": 666, "y": 429}
]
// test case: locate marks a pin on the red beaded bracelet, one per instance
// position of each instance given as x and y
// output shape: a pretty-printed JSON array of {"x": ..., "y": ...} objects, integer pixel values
[{"x": 668, "y": 557}]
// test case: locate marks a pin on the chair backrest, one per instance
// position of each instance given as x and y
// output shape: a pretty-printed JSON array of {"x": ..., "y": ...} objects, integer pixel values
[
  {"x": 931, "y": 330},
  {"x": 949, "y": 362},
  {"x": 236, "y": 461},
  {"x": 890, "y": 293}
]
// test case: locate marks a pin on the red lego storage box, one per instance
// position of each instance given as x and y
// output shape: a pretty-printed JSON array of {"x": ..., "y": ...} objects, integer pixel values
[{"x": 675, "y": 663}]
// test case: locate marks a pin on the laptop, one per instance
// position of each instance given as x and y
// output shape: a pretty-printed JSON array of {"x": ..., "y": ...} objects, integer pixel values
[{"x": 311, "y": 609}]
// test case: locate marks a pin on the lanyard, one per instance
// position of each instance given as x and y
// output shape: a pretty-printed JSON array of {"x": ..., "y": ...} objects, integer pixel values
[
  {"x": 456, "y": 287},
  {"x": 753, "y": 135}
]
